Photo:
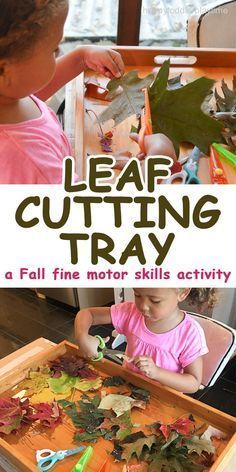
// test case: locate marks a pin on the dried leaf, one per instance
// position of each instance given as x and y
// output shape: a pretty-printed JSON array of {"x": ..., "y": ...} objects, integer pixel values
[
  {"x": 63, "y": 384},
  {"x": 129, "y": 101},
  {"x": 114, "y": 381},
  {"x": 69, "y": 364},
  {"x": 49, "y": 415},
  {"x": 125, "y": 425},
  {"x": 137, "y": 447},
  {"x": 88, "y": 385},
  {"x": 183, "y": 426},
  {"x": 13, "y": 412},
  {"x": 120, "y": 403},
  {"x": 139, "y": 393},
  {"x": 199, "y": 445},
  {"x": 46, "y": 396},
  {"x": 36, "y": 382}
]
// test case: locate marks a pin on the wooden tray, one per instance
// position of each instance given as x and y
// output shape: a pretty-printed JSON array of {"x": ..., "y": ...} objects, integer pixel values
[
  {"x": 192, "y": 63},
  {"x": 166, "y": 405}
]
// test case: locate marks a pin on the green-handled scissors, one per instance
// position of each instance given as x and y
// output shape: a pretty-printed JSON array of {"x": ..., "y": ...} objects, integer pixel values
[
  {"x": 80, "y": 466},
  {"x": 114, "y": 353}
]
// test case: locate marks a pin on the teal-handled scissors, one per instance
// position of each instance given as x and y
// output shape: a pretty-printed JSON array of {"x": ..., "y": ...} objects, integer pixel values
[
  {"x": 191, "y": 167},
  {"x": 46, "y": 458},
  {"x": 114, "y": 353}
]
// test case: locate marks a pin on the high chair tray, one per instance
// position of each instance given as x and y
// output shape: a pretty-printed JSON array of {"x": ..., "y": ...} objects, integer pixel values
[
  {"x": 82, "y": 128},
  {"x": 165, "y": 405}
]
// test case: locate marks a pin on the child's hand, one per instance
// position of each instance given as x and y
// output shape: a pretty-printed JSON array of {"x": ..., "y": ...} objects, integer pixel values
[
  {"x": 156, "y": 144},
  {"x": 146, "y": 365},
  {"x": 88, "y": 346},
  {"x": 104, "y": 60}
]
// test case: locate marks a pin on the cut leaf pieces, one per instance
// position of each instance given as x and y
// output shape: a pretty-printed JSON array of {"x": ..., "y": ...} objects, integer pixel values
[{"x": 120, "y": 403}]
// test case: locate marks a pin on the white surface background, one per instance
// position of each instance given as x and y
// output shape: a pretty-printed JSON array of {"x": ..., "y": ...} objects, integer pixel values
[{"x": 40, "y": 246}]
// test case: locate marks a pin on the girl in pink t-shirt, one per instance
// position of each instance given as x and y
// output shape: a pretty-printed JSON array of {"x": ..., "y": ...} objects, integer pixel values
[
  {"x": 163, "y": 342},
  {"x": 32, "y": 143}
]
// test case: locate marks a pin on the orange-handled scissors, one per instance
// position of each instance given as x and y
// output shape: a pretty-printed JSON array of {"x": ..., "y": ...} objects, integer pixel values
[
  {"x": 216, "y": 169},
  {"x": 146, "y": 122}
]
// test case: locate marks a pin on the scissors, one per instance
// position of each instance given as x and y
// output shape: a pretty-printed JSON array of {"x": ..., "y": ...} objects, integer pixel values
[
  {"x": 191, "y": 167},
  {"x": 177, "y": 173},
  {"x": 46, "y": 458},
  {"x": 223, "y": 152},
  {"x": 105, "y": 467},
  {"x": 79, "y": 467},
  {"x": 216, "y": 170},
  {"x": 113, "y": 353},
  {"x": 146, "y": 121}
]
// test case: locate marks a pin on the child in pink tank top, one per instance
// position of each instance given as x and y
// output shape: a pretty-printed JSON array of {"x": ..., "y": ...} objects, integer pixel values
[{"x": 163, "y": 342}]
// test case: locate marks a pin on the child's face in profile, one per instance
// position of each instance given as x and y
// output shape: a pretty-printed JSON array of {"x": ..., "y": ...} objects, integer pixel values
[
  {"x": 32, "y": 72},
  {"x": 157, "y": 304}
]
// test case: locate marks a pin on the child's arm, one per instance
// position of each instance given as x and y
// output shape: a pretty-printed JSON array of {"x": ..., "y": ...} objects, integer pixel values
[
  {"x": 103, "y": 60},
  {"x": 188, "y": 382},
  {"x": 84, "y": 320}
]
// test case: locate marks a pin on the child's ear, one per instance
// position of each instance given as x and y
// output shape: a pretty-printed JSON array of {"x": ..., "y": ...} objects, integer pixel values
[
  {"x": 4, "y": 72},
  {"x": 183, "y": 293}
]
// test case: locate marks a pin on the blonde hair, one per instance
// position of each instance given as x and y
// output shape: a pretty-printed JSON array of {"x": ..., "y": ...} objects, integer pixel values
[{"x": 22, "y": 23}]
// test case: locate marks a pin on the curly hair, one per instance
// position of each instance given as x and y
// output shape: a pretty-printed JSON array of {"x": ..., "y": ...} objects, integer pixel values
[
  {"x": 203, "y": 295},
  {"x": 22, "y": 23}
]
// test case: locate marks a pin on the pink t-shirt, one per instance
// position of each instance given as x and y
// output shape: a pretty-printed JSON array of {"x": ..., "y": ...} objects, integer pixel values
[
  {"x": 172, "y": 350},
  {"x": 32, "y": 152}
]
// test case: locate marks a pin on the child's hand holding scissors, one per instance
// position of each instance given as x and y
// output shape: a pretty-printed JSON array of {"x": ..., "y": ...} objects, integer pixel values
[
  {"x": 146, "y": 365},
  {"x": 155, "y": 144}
]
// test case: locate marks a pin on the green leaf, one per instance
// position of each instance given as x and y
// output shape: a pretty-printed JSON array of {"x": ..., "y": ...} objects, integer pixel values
[
  {"x": 62, "y": 384},
  {"x": 160, "y": 83},
  {"x": 178, "y": 115},
  {"x": 198, "y": 445},
  {"x": 139, "y": 393},
  {"x": 113, "y": 381},
  {"x": 129, "y": 101}
]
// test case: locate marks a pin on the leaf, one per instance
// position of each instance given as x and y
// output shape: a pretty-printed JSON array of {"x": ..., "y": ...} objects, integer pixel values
[
  {"x": 49, "y": 415},
  {"x": 198, "y": 445},
  {"x": 46, "y": 396},
  {"x": 63, "y": 384},
  {"x": 119, "y": 403},
  {"x": 125, "y": 425},
  {"x": 13, "y": 412},
  {"x": 88, "y": 385},
  {"x": 137, "y": 447},
  {"x": 139, "y": 393},
  {"x": 227, "y": 104},
  {"x": 182, "y": 425},
  {"x": 69, "y": 364},
  {"x": 36, "y": 382},
  {"x": 129, "y": 101},
  {"x": 178, "y": 115},
  {"x": 113, "y": 381},
  {"x": 89, "y": 417}
]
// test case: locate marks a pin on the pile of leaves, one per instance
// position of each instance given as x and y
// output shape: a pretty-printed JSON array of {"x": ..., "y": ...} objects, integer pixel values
[
  {"x": 15, "y": 413},
  {"x": 176, "y": 109},
  {"x": 74, "y": 366},
  {"x": 170, "y": 448},
  {"x": 226, "y": 112},
  {"x": 92, "y": 421}
]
